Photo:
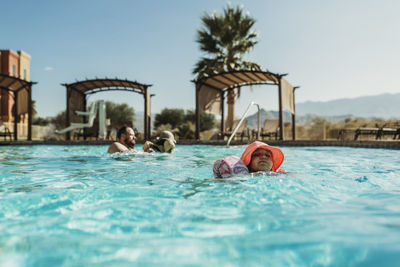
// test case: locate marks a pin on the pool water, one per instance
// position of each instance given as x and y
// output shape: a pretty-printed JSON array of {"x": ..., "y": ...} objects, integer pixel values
[{"x": 77, "y": 205}]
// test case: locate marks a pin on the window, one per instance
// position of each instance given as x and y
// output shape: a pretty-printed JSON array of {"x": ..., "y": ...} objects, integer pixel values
[
  {"x": 24, "y": 74},
  {"x": 14, "y": 70}
]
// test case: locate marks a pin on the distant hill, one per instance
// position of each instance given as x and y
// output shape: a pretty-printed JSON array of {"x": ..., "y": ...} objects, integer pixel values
[
  {"x": 384, "y": 106},
  {"x": 287, "y": 117},
  {"x": 381, "y": 106}
]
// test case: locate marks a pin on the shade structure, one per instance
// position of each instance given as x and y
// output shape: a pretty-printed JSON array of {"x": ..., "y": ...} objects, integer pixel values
[
  {"x": 77, "y": 93},
  {"x": 210, "y": 93},
  {"x": 22, "y": 93}
]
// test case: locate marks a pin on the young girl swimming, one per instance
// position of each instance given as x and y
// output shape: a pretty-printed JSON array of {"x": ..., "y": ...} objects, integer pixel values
[{"x": 258, "y": 157}]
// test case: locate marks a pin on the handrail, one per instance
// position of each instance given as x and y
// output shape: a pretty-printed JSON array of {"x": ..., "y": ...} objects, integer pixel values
[{"x": 241, "y": 120}]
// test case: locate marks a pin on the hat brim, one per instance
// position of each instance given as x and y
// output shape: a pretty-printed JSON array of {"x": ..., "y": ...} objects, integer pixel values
[{"x": 277, "y": 154}]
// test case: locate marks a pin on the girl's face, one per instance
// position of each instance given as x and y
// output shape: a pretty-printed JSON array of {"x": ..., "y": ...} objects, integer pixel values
[{"x": 261, "y": 160}]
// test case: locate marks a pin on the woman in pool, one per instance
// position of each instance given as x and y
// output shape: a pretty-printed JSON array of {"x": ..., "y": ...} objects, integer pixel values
[{"x": 257, "y": 157}]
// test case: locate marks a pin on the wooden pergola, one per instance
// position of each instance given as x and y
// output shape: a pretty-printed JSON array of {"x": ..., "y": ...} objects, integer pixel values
[
  {"x": 210, "y": 94},
  {"x": 22, "y": 92},
  {"x": 77, "y": 96}
]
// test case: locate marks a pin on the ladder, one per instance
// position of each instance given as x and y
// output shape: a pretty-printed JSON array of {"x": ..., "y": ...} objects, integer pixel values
[{"x": 241, "y": 120}]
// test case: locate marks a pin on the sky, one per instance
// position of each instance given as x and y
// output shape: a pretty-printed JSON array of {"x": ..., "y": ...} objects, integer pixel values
[{"x": 331, "y": 49}]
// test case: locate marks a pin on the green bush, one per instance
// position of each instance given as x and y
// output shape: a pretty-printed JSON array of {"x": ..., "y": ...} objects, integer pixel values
[{"x": 174, "y": 117}]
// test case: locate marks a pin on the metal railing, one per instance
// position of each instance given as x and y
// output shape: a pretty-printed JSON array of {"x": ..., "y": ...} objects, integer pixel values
[{"x": 241, "y": 120}]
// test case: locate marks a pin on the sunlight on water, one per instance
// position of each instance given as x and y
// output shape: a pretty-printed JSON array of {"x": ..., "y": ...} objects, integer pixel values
[{"x": 336, "y": 206}]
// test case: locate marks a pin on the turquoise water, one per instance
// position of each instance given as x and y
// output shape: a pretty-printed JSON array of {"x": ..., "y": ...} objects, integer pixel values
[{"x": 76, "y": 205}]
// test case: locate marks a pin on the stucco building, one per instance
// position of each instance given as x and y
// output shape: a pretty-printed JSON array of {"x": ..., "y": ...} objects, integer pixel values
[{"x": 16, "y": 65}]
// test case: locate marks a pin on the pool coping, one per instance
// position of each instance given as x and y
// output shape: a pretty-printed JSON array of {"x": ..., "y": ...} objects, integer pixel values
[{"x": 395, "y": 144}]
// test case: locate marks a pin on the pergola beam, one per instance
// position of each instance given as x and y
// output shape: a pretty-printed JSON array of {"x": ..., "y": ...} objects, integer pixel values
[
  {"x": 15, "y": 85},
  {"x": 239, "y": 79},
  {"x": 97, "y": 85}
]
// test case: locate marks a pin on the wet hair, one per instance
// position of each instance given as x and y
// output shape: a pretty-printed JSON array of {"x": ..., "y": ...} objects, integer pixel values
[{"x": 121, "y": 131}]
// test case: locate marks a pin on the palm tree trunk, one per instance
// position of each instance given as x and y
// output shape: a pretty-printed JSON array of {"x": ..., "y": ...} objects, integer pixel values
[{"x": 231, "y": 109}]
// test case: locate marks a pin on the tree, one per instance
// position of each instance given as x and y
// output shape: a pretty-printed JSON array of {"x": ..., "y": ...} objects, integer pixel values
[
  {"x": 40, "y": 121},
  {"x": 174, "y": 117},
  {"x": 34, "y": 111},
  {"x": 120, "y": 114},
  {"x": 59, "y": 120},
  {"x": 225, "y": 39},
  {"x": 207, "y": 120},
  {"x": 183, "y": 123}
]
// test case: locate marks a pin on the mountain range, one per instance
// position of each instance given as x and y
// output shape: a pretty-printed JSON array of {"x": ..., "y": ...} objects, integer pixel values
[{"x": 384, "y": 106}]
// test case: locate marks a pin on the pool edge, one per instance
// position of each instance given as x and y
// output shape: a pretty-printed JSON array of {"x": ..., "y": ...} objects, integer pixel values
[{"x": 362, "y": 144}]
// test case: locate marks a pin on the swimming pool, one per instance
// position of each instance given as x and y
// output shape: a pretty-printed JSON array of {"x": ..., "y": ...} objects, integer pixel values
[{"x": 76, "y": 205}]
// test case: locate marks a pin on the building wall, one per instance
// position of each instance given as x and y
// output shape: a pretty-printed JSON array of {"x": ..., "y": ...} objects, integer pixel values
[
  {"x": 24, "y": 72},
  {"x": 1, "y": 90},
  {"x": 10, "y": 63},
  {"x": 24, "y": 66},
  {"x": 16, "y": 65}
]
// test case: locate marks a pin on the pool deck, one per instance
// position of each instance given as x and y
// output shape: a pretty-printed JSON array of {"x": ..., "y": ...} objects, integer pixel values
[{"x": 363, "y": 144}]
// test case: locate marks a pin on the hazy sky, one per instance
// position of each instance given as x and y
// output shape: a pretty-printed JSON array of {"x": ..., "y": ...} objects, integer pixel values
[{"x": 332, "y": 49}]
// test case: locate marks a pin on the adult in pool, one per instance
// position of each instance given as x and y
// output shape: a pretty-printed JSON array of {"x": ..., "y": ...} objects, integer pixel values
[
  {"x": 165, "y": 142},
  {"x": 126, "y": 141}
]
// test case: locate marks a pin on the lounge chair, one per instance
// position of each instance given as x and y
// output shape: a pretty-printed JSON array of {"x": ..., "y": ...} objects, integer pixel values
[
  {"x": 4, "y": 131},
  {"x": 241, "y": 132},
  {"x": 270, "y": 129},
  {"x": 380, "y": 131},
  {"x": 389, "y": 129},
  {"x": 367, "y": 131},
  {"x": 343, "y": 133},
  {"x": 91, "y": 116}
]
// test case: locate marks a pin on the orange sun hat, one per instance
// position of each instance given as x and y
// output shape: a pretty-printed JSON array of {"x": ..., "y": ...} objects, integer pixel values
[{"x": 277, "y": 154}]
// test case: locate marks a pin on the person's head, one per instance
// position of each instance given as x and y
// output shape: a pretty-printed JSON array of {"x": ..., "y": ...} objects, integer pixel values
[
  {"x": 259, "y": 156},
  {"x": 126, "y": 136},
  {"x": 166, "y": 142},
  {"x": 261, "y": 160}
]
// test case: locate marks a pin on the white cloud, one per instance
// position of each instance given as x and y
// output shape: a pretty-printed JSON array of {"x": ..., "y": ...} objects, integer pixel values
[{"x": 48, "y": 68}]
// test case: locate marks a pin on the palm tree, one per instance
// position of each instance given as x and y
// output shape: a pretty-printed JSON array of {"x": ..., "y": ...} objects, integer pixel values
[{"x": 225, "y": 39}]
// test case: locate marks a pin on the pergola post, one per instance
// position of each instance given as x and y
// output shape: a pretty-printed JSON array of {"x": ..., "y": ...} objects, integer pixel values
[
  {"x": 15, "y": 114},
  {"x": 293, "y": 126},
  {"x": 67, "y": 118},
  {"x": 280, "y": 109},
  {"x": 197, "y": 113},
  {"x": 84, "y": 104},
  {"x": 146, "y": 114},
  {"x": 12, "y": 86},
  {"x": 85, "y": 119},
  {"x": 149, "y": 122},
  {"x": 294, "y": 115},
  {"x": 222, "y": 115},
  {"x": 29, "y": 113}
]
